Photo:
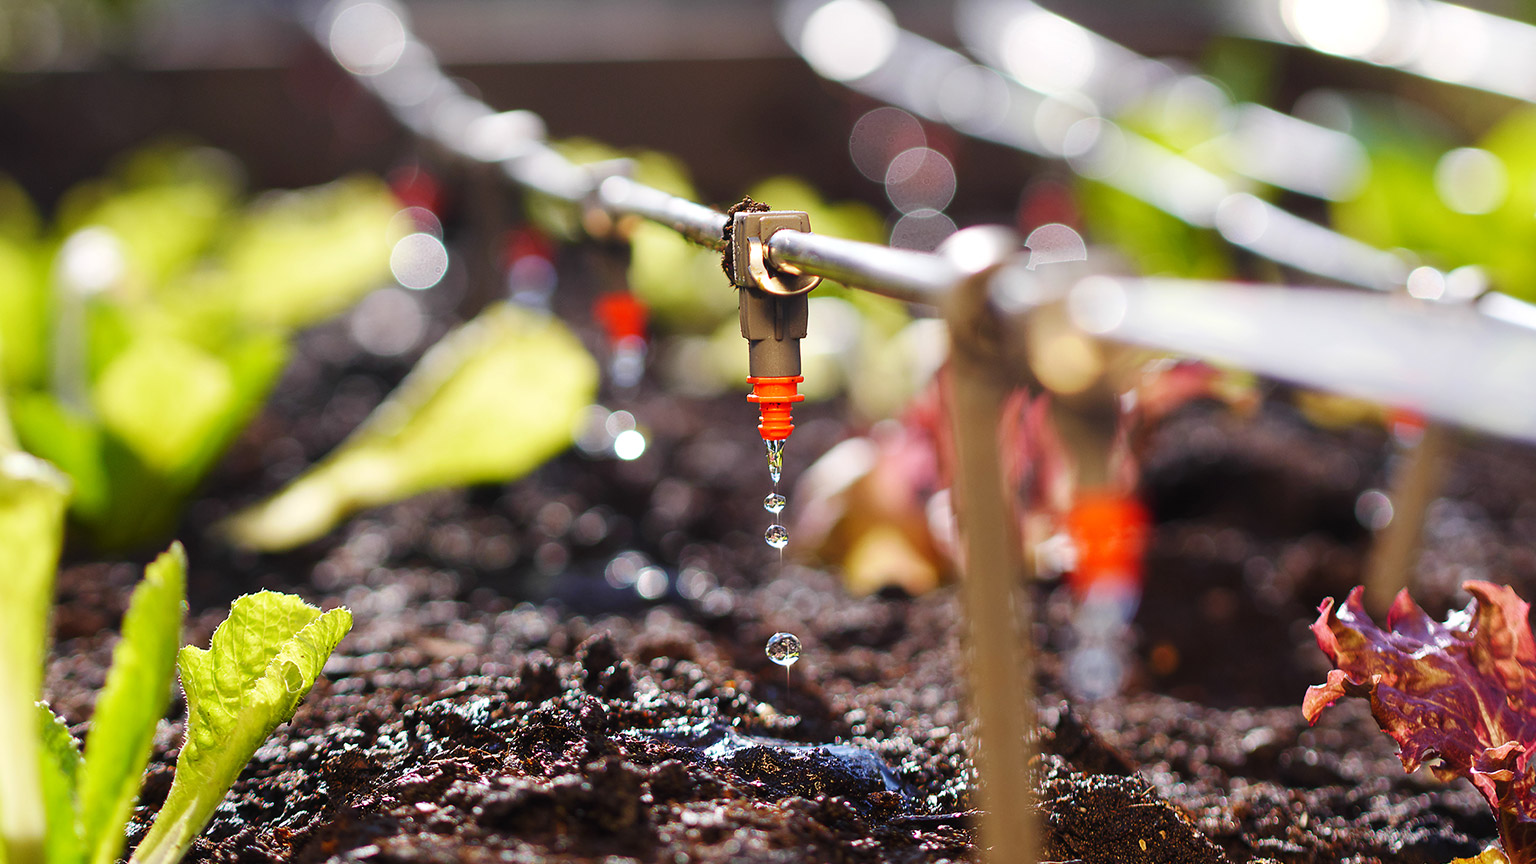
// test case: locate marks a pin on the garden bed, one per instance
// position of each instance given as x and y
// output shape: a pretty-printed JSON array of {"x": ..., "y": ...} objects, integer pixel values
[{"x": 504, "y": 696}]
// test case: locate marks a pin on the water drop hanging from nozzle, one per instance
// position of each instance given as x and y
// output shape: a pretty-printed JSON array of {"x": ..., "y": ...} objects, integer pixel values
[{"x": 775, "y": 458}]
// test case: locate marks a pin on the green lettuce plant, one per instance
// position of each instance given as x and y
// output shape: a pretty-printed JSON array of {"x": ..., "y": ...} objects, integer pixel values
[
  {"x": 142, "y": 332},
  {"x": 32, "y": 499},
  {"x": 490, "y": 402},
  {"x": 60, "y": 804}
]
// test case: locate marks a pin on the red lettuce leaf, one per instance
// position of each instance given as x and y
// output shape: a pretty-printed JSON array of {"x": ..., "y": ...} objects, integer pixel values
[{"x": 1460, "y": 695}]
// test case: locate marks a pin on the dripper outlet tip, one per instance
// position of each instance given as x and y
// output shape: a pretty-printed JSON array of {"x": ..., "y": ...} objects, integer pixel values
[{"x": 775, "y": 397}]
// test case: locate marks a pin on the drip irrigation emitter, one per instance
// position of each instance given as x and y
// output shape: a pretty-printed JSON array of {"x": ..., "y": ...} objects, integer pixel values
[
  {"x": 1106, "y": 522},
  {"x": 774, "y": 311},
  {"x": 623, "y": 316}
]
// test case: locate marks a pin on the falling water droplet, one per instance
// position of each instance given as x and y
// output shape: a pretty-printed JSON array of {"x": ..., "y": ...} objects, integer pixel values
[
  {"x": 775, "y": 459},
  {"x": 783, "y": 649},
  {"x": 774, "y": 503},
  {"x": 777, "y": 536}
]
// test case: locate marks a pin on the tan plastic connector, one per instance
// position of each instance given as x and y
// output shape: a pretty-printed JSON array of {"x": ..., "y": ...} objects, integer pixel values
[{"x": 774, "y": 311}]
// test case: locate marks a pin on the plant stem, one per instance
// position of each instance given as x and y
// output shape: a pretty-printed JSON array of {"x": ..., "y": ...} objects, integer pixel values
[
  {"x": 21, "y": 795},
  {"x": 24, "y": 849},
  {"x": 171, "y": 834}
]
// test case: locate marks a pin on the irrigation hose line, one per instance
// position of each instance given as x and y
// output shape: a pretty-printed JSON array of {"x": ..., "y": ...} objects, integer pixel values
[
  {"x": 1471, "y": 381},
  {"x": 913, "y": 277},
  {"x": 904, "y": 275}
]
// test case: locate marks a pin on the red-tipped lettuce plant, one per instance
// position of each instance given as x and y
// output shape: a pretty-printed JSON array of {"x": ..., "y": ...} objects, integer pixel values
[{"x": 1459, "y": 696}]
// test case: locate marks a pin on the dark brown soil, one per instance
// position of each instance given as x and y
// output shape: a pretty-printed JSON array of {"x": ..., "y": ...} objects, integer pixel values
[{"x": 500, "y": 700}]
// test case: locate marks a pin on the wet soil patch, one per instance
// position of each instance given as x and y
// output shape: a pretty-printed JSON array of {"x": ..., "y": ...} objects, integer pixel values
[{"x": 507, "y": 695}]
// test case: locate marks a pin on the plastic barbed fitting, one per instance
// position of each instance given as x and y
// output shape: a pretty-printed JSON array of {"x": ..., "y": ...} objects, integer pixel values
[
  {"x": 774, "y": 313},
  {"x": 775, "y": 397},
  {"x": 750, "y": 231}
]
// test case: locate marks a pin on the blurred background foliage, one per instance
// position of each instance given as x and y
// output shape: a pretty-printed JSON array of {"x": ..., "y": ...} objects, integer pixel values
[
  {"x": 144, "y": 328},
  {"x": 1408, "y": 200},
  {"x": 36, "y": 32},
  {"x": 1404, "y": 203}
]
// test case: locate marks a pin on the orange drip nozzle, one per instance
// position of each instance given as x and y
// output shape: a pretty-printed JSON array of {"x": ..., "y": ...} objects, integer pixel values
[
  {"x": 1110, "y": 532},
  {"x": 774, "y": 397}
]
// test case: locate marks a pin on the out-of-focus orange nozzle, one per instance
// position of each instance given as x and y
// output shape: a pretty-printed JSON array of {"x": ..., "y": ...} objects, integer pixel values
[
  {"x": 1110, "y": 532},
  {"x": 774, "y": 397},
  {"x": 622, "y": 314}
]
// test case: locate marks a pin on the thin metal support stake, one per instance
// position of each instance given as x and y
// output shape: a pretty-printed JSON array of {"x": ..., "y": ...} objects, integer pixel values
[
  {"x": 999, "y": 665},
  {"x": 1415, "y": 482}
]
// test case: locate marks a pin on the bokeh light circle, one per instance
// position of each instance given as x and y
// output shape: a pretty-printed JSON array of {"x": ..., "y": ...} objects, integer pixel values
[
  {"x": 419, "y": 261},
  {"x": 1471, "y": 181},
  {"x": 920, "y": 179},
  {"x": 922, "y": 230},
  {"x": 367, "y": 38},
  {"x": 848, "y": 39},
  {"x": 879, "y": 136}
]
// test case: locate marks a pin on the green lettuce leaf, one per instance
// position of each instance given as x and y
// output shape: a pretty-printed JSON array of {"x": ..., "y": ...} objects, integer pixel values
[
  {"x": 69, "y": 439},
  {"x": 299, "y": 257},
  {"x": 32, "y": 499},
  {"x": 136, "y": 695},
  {"x": 165, "y": 410},
  {"x": 23, "y": 312},
  {"x": 490, "y": 402},
  {"x": 160, "y": 397},
  {"x": 165, "y": 203},
  {"x": 7, "y": 431},
  {"x": 261, "y": 663},
  {"x": 60, "y": 768}
]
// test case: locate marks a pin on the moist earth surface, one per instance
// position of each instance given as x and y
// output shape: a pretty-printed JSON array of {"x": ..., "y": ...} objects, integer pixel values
[{"x": 571, "y": 667}]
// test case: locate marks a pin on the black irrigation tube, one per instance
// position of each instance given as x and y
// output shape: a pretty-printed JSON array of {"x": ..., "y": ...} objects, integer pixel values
[{"x": 1450, "y": 363}]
